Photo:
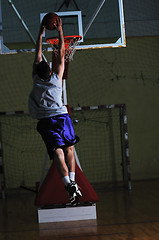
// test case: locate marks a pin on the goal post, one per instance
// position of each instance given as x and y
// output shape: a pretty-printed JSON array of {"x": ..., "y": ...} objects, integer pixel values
[
  {"x": 102, "y": 150},
  {"x": 104, "y": 145}
]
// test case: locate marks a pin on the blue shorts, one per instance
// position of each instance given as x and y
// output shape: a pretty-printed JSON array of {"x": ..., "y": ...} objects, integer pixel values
[{"x": 57, "y": 132}]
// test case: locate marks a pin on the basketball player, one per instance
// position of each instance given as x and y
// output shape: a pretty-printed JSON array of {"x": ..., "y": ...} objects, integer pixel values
[{"x": 54, "y": 125}]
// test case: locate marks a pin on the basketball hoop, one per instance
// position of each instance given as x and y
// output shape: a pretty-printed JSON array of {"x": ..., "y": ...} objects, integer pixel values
[{"x": 70, "y": 44}]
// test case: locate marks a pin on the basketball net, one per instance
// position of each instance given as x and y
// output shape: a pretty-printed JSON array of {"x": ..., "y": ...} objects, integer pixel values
[{"x": 70, "y": 44}]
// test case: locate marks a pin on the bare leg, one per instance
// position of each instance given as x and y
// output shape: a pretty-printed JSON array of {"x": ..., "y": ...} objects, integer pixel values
[
  {"x": 59, "y": 158},
  {"x": 65, "y": 162},
  {"x": 70, "y": 158},
  {"x": 70, "y": 161}
]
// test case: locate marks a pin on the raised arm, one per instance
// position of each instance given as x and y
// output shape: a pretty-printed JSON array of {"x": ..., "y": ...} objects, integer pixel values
[
  {"x": 38, "y": 53},
  {"x": 61, "y": 47}
]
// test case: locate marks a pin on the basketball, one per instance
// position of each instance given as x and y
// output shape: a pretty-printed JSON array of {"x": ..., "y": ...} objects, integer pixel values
[{"x": 49, "y": 20}]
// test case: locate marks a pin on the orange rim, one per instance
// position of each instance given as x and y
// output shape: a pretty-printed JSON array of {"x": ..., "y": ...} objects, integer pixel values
[{"x": 67, "y": 39}]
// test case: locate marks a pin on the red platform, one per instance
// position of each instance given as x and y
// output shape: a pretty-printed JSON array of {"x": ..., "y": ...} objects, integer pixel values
[{"x": 53, "y": 190}]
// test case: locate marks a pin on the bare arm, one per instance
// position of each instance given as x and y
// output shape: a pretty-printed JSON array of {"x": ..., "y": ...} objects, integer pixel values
[
  {"x": 61, "y": 48},
  {"x": 38, "y": 53}
]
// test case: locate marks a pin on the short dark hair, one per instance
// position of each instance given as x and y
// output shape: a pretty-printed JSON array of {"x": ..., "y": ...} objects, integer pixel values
[{"x": 43, "y": 70}]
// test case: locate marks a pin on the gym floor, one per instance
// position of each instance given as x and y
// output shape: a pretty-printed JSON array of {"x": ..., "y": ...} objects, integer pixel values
[{"x": 121, "y": 215}]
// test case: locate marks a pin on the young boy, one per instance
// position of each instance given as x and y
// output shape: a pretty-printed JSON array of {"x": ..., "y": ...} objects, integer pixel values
[{"x": 54, "y": 125}]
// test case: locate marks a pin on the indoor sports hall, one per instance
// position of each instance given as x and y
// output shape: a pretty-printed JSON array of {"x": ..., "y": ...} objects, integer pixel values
[{"x": 110, "y": 87}]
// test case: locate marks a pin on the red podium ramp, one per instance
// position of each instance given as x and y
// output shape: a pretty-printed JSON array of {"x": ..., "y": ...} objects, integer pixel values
[{"x": 52, "y": 190}]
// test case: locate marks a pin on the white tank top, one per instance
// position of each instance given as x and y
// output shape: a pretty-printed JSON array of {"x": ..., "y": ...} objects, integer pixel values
[{"x": 45, "y": 99}]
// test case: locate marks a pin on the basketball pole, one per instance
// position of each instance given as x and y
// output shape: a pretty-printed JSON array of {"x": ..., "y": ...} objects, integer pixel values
[
  {"x": 24, "y": 25},
  {"x": 73, "y": 52}
]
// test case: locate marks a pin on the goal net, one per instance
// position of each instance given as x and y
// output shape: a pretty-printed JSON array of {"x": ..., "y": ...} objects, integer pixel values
[
  {"x": 100, "y": 150},
  {"x": 103, "y": 149}
]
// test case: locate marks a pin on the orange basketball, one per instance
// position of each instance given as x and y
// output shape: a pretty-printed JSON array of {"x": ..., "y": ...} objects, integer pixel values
[{"x": 49, "y": 20}]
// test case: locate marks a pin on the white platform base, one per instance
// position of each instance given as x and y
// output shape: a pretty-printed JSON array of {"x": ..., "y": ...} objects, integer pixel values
[{"x": 67, "y": 214}]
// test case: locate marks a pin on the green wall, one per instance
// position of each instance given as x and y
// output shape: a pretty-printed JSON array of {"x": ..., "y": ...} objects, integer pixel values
[
  {"x": 130, "y": 76},
  {"x": 103, "y": 76}
]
